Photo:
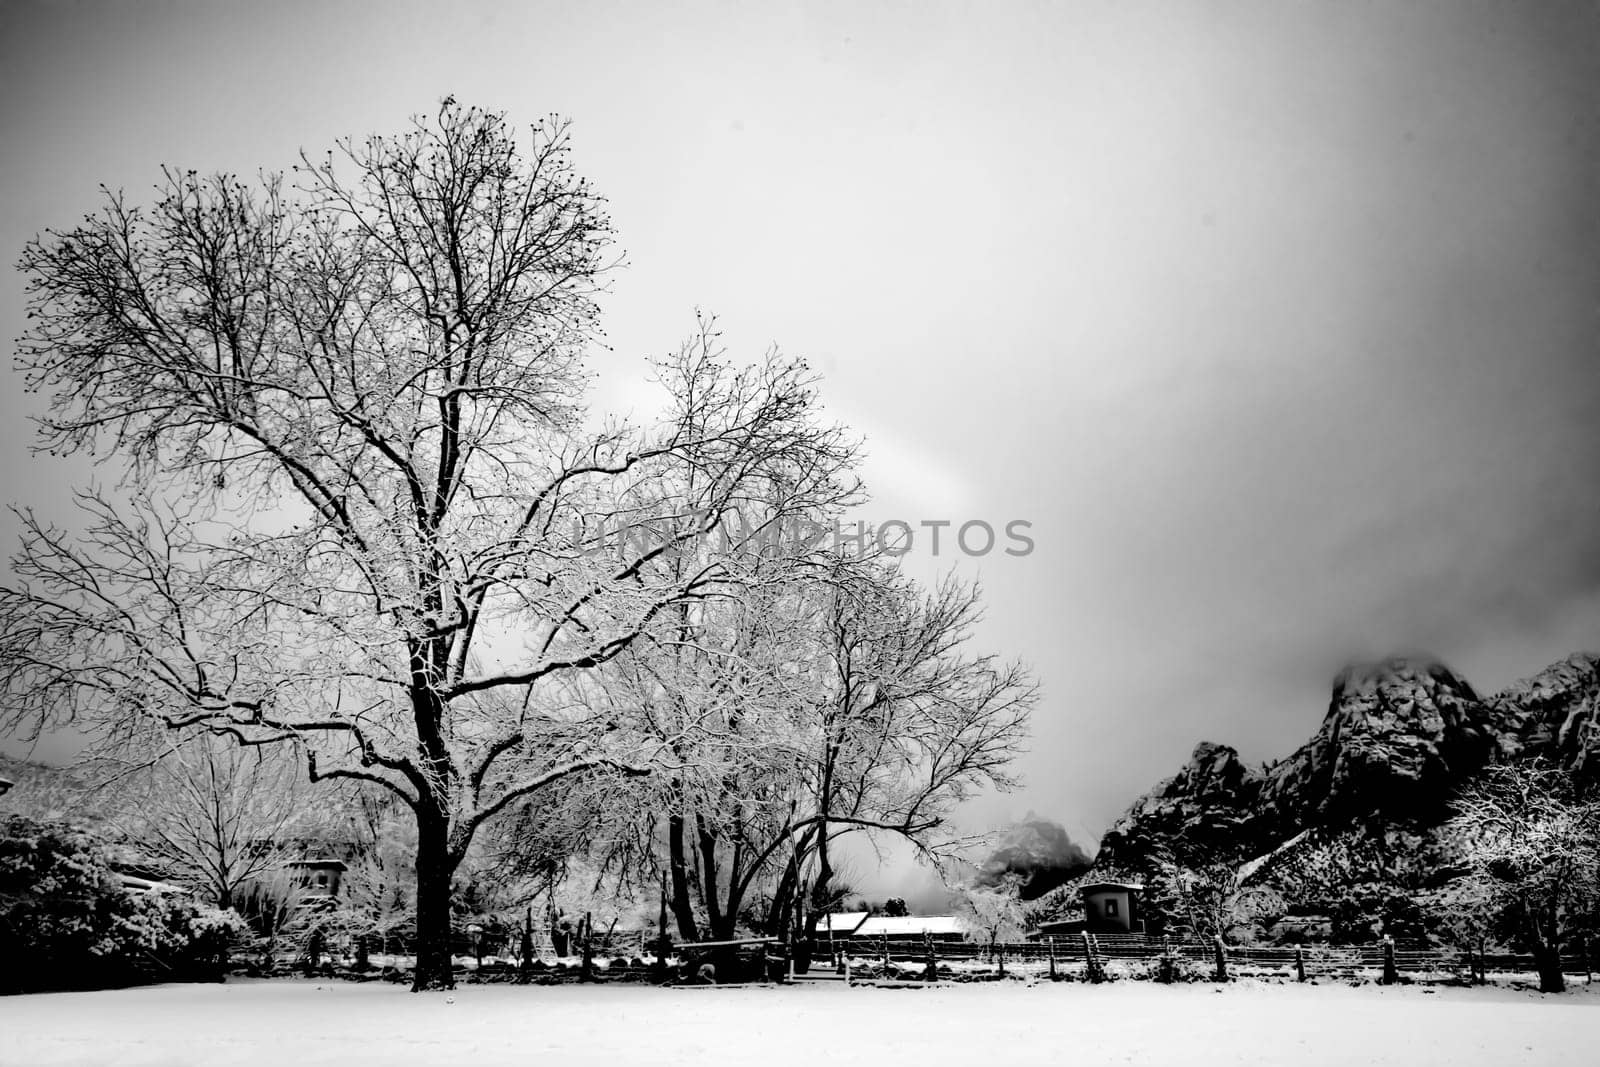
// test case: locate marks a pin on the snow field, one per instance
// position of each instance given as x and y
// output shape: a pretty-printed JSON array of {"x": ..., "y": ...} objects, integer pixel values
[{"x": 304, "y": 1022}]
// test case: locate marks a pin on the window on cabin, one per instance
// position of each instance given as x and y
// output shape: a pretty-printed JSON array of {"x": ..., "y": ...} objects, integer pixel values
[
  {"x": 322, "y": 879},
  {"x": 1111, "y": 908}
]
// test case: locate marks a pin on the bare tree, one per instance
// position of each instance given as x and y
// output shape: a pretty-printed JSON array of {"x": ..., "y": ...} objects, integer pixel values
[
  {"x": 840, "y": 701},
  {"x": 993, "y": 913},
  {"x": 216, "y": 816},
  {"x": 377, "y": 890},
  {"x": 1221, "y": 899},
  {"x": 366, "y": 514},
  {"x": 908, "y": 723},
  {"x": 274, "y": 902},
  {"x": 1531, "y": 845}
]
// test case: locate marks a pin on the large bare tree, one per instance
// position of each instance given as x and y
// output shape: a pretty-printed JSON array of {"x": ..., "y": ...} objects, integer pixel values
[{"x": 365, "y": 510}]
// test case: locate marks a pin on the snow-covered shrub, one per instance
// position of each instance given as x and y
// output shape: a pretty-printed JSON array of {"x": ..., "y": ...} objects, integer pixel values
[
  {"x": 1170, "y": 966},
  {"x": 67, "y": 922},
  {"x": 59, "y": 903}
]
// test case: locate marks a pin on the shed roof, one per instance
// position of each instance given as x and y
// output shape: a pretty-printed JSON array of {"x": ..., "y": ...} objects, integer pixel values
[
  {"x": 893, "y": 925},
  {"x": 1092, "y": 886},
  {"x": 843, "y": 922}
]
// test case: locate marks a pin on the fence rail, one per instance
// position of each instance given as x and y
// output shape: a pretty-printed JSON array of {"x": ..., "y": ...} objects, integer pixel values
[
  {"x": 1130, "y": 954},
  {"x": 625, "y": 943},
  {"x": 1408, "y": 962}
]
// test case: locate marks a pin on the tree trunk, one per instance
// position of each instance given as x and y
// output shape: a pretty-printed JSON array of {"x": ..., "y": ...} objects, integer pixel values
[
  {"x": 1547, "y": 950},
  {"x": 678, "y": 869},
  {"x": 788, "y": 899},
  {"x": 718, "y": 922},
  {"x": 1547, "y": 960},
  {"x": 434, "y": 868}
]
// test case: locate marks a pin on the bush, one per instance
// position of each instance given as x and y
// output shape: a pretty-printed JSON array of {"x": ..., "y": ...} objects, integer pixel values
[
  {"x": 1170, "y": 966},
  {"x": 66, "y": 922}
]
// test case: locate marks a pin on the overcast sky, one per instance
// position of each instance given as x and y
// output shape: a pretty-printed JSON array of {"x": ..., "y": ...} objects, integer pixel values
[{"x": 1277, "y": 320}]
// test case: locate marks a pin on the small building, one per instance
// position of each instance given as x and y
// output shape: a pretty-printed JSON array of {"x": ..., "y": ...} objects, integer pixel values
[
  {"x": 321, "y": 877},
  {"x": 1107, "y": 908},
  {"x": 1112, "y": 907},
  {"x": 912, "y": 928}
]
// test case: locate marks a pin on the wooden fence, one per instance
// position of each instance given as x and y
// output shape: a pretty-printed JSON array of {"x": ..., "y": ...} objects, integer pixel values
[
  {"x": 1113, "y": 956},
  {"x": 1139, "y": 955},
  {"x": 623, "y": 943}
]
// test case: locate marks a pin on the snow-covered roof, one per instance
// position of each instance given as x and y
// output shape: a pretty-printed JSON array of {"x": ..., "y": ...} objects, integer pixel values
[
  {"x": 1092, "y": 886},
  {"x": 5, "y": 784},
  {"x": 135, "y": 884},
  {"x": 901, "y": 925},
  {"x": 843, "y": 923}
]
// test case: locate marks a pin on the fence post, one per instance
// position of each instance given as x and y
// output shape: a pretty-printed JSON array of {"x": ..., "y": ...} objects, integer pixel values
[
  {"x": 1390, "y": 974},
  {"x": 1221, "y": 954},
  {"x": 886, "y": 955},
  {"x": 931, "y": 972},
  {"x": 1001, "y": 949},
  {"x": 1052, "y": 944},
  {"x": 1588, "y": 967},
  {"x": 1299, "y": 964}
]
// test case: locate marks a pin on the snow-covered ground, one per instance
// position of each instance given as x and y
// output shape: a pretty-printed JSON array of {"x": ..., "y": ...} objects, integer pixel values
[{"x": 299, "y": 1022}]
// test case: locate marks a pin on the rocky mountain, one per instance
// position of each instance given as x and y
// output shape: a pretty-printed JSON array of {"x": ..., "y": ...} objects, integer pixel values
[
  {"x": 1039, "y": 854},
  {"x": 1555, "y": 713},
  {"x": 1209, "y": 807},
  {"x": 1399, "y": 738}
]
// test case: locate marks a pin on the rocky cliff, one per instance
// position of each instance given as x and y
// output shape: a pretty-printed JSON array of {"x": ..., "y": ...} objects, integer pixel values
[
  {"x": 1399, "y": 738},
  {"x": 1556, "y": 714},
  {"x": 1209, "y": 807}
]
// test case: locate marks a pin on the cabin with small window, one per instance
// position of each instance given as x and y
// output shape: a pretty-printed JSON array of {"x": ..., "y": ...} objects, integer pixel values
[
  {"x": 320, "y": 877},
  {"x": 1108, "y": 908},
  {"x": 1111, "y": 907}
]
